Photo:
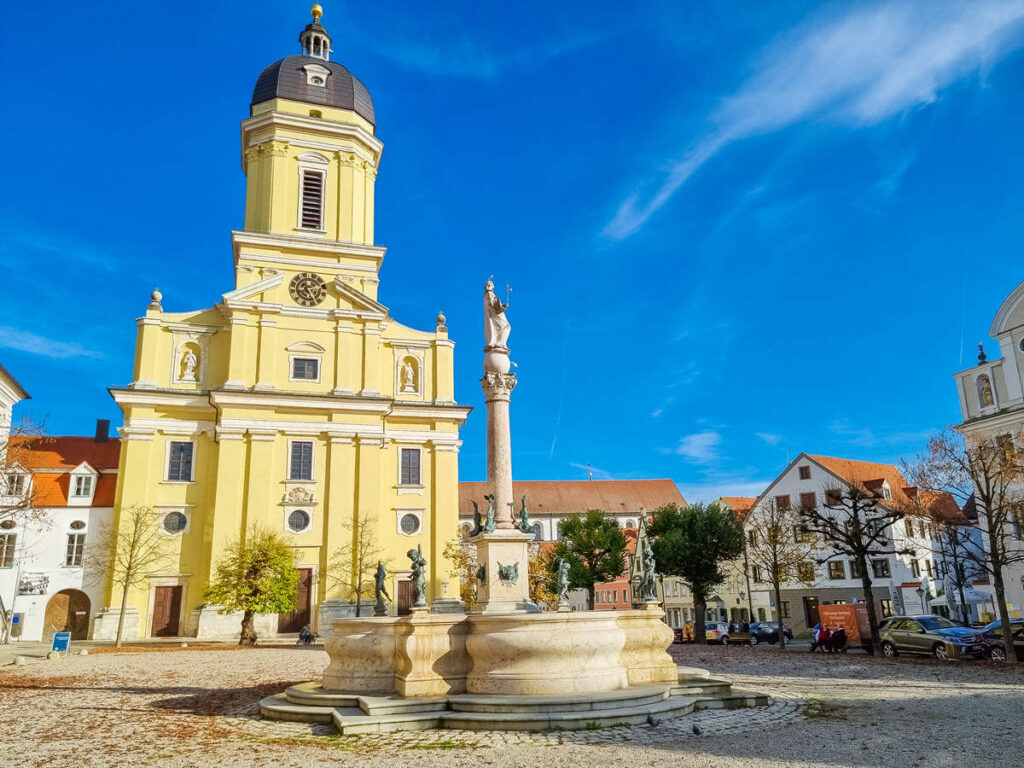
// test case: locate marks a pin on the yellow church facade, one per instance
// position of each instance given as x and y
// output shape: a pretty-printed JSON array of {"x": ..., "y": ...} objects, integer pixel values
[{"x": 296, "y": 402}]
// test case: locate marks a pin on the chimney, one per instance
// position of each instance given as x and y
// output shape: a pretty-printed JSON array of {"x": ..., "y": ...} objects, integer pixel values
[{"x": 102, "y": 430}]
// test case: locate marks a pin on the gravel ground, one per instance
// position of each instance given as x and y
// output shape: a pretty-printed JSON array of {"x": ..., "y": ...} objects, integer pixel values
[{"x": 183, "y": 708}]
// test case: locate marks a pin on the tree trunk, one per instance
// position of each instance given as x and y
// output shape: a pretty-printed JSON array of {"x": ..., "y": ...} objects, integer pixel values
[
  {"x": 592, "y": 596},
  {"x": 120, "y": 619},
  {"x": 359, "y": 604},
  {"x": 1004, "y": 615},
  {"x": 869, "y": 596},
  {"x": 700, "y": 606},
  {"x": 248, "y": 636},
  {"x": 963, "y": 602},
  {"x": 778, "y": 615}
]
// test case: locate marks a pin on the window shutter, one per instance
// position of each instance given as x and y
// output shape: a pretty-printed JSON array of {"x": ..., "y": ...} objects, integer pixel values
[{"x": 312, "y": 203}]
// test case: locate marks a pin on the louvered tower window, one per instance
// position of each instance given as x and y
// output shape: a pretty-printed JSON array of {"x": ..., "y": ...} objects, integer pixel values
[{"x": 311, "y": 204}]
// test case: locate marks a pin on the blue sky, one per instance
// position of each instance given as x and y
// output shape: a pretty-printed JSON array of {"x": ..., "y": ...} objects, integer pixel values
[{"x": 734, "y": 231}]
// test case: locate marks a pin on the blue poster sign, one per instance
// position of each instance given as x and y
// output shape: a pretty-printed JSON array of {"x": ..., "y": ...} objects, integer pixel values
[{"x": 61, "y": 642}]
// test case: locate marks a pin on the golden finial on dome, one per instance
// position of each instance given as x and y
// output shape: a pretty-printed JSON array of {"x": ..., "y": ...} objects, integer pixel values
[{"x": 317, "y": 11}]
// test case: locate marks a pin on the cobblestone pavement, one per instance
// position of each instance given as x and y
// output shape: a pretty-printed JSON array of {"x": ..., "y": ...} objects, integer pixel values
[{"x": 191, "y": 708}]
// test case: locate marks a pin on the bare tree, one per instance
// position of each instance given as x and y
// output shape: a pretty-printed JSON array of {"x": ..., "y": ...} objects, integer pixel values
[
  {"x": 988, "y": 472},
  {"x": 777, "y": 546},
  {"x": 959, "y": 554},
  {"x": 16, "y": 486},
  {"x": 856, "y": 523},
  {"x": 127, "y": 553},
  {"x": 354, "y": 564}
]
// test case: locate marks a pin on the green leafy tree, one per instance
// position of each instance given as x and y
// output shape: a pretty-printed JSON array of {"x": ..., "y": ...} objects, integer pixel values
[
  {"x": 595, "y": 548},
  {"x": 256, "y": 576},
  {"x": 693, "y": 543}
]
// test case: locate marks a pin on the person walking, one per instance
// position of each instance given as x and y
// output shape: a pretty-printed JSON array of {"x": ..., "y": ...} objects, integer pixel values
[{"x": 814, "y": 636}]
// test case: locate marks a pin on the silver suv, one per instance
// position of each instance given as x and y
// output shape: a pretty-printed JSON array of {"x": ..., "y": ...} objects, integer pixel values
[{"x": 928, "y": 635}]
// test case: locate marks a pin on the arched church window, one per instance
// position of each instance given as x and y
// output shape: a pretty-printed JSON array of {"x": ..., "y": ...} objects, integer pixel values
[{"x": 538, "y": 532}]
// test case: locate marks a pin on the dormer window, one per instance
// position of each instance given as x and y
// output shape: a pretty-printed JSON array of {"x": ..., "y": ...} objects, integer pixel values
[
  {"x": 82, "y": 486},
  {"x": 16, "y": 484}
]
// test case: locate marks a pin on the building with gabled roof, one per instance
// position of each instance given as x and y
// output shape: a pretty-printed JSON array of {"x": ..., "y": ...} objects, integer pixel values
[
  {"x": 806, "y": 482},
  {"x": 61, "y": 493}
]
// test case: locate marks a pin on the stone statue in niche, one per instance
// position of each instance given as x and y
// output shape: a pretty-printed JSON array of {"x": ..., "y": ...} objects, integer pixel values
[
  {"x": 524, "y": 519},
  {"x": 408, "y": 377},
  {"x": 649, "y": 591},
  {"x": 189, "y": 365},
  {"x": 985, "y": 390},
  {"x": 380, "y": 589},
  {"x": 419, "y": 580},
  {"x": 496, "y": 327}
]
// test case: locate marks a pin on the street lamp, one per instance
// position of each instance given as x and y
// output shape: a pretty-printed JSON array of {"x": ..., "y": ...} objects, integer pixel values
[{"x": 920, "y": 595}]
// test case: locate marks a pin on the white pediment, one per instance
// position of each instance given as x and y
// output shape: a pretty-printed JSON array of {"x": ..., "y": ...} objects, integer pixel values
[
  {"x": 85, "y": 468},
  {"x": 240, "y": 294},
  {"x": 359, "y": 300}
]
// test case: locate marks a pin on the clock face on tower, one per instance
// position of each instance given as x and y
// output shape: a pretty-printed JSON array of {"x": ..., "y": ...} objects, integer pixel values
[{"x": 307, "y": 289}]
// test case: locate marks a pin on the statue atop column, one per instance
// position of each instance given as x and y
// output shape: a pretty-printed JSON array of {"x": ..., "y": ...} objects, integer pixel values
[{"x": 496, "y": 326}]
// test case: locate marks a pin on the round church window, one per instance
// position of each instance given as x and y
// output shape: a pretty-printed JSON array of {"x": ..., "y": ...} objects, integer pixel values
[
  {"x": 410, "y": 523},
  {"x": 298, "y": 521},
  {"x": 7, "y": 524},
  {"x": 175, "y": 522},
  {"x": 78, "y": 525}
]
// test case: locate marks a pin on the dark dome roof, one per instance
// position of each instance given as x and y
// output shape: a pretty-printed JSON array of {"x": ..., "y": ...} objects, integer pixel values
[{"x": 285, "y": 79}]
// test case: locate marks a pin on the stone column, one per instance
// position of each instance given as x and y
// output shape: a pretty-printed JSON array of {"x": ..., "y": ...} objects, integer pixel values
[{"x": 497, "y": 393}]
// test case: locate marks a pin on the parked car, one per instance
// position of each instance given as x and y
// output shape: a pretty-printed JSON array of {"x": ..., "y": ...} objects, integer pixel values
[
  {"x": 928, "y": 635},
  {"x": 677, "y": 634},
  {"x": 768, "y": 632},
  {"x": 717, "y": 632},
  {"x": 992, "y": 638}
]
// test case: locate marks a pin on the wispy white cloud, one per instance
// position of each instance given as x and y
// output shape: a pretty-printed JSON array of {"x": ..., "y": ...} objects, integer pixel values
[
  {"x": 18, "y": 246},
  {"x": 700, "y": 447},
  {"x": 865, "y": 437},
  {"x": 657, "y": 412},
  {"x": 856, "y": 69},
  {"x": 769, "y": 437},
  {"x": 26, "y": 341}
]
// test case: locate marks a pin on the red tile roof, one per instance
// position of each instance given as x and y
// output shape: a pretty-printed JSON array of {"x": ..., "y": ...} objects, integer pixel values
[
  {"x": 870, "y": 475},
  {"x": 64, "y": 452},
  {"x": 567, "y": 497},
  {"x": 60, "y": 455},
  {"x": 741, "y": 505}
]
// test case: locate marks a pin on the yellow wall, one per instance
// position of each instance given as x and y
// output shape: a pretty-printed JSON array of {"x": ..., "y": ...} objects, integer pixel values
[{"x": 243, "y": 409}]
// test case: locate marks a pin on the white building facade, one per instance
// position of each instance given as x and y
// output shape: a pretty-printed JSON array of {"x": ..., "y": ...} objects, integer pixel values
[
  {"x": 45, "y": 549},
  {"x": 900, "y": 583},
  {"x": 992, "y": 405}
]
